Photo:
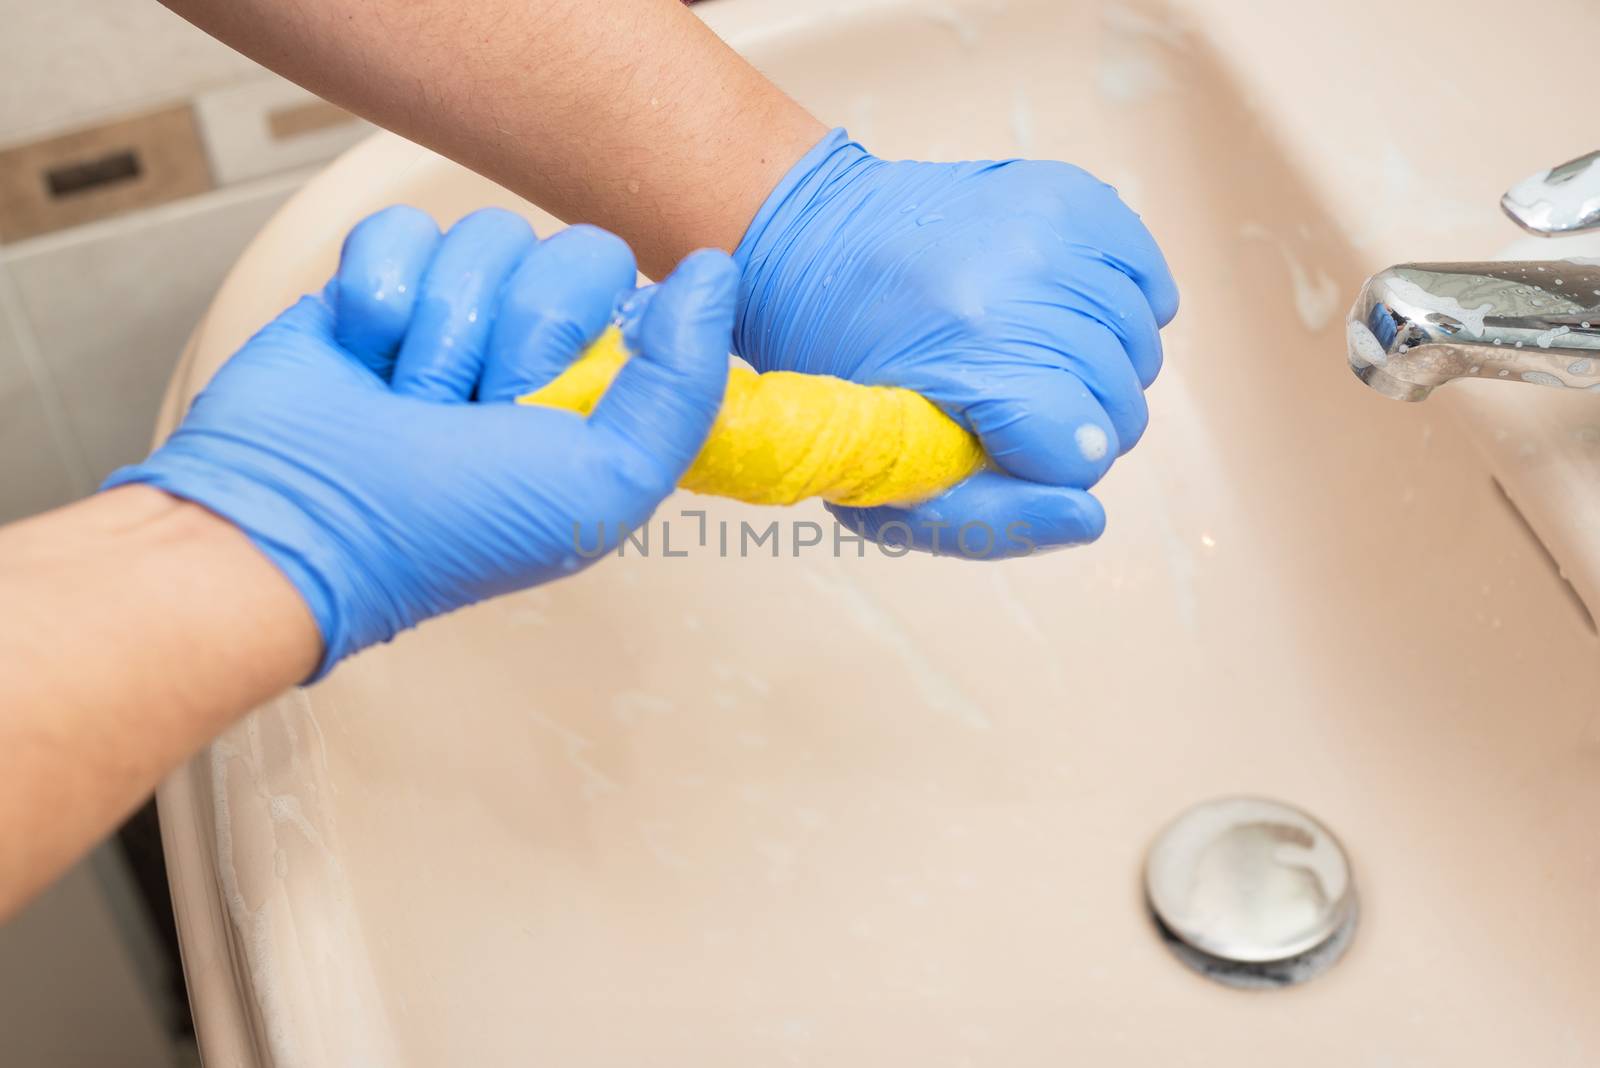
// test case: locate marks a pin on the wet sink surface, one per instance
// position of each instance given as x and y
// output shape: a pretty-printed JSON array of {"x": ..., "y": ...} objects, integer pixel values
[{"x": 845, "y": 810}]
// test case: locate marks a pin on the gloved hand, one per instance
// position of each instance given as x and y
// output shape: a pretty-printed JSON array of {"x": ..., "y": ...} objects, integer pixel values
[
  {"x": 365, "y": 440},
  {"x": 1021, "y": 297}
]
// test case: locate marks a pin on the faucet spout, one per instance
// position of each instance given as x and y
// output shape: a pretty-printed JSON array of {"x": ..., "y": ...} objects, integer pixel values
[
  {"x": 1419, "y": 325},
  {"x": 1561, "y": 200}
]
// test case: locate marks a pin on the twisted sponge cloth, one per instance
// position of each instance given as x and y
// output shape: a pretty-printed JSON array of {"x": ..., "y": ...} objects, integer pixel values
[{"x": 782, "y": 437}]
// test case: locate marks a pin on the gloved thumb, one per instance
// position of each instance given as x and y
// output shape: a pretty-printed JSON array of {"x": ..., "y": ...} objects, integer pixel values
[{"x": 662, "y": 403}]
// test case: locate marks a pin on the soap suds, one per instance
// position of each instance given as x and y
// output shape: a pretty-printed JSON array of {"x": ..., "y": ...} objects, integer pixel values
[
  {"x": 1128, "y": 75},
  {"x": 1026, "y": 622},
  {"x": 1316, "y": 296},
  {"x": 1022, "y": 121},
  {"x": 1471, "y": 319},
  {"x": 937, "y": 688},
  {"x": 301, "y": 910},
  {"x": 1133, "y": 22},
  {"x": 1406, "y": 199},
  {"x": 576, "y": 748},
  {"x": 862, "y": 118},
  {"x": 1092, "y": 441},
  {"x": 965, "y": 29},
  {"x": 1545, "y": 339},
  {"x": 653, "y": 834},
  {"x": 632, "y": 707}
]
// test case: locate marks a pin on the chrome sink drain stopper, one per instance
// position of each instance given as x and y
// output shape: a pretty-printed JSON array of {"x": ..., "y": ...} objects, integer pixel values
[{"x": 1251, "y": 892}]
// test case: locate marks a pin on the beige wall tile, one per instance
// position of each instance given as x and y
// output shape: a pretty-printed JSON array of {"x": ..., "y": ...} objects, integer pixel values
[
  {"x": 70, "y": 62},
  {"x": 268, "y": 125},
  {"x": 99, "y": 171},
  {"x": 113, "y": 304}
]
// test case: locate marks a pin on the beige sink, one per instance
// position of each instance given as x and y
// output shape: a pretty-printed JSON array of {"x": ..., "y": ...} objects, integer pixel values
[{"x": 707, "y": 811}]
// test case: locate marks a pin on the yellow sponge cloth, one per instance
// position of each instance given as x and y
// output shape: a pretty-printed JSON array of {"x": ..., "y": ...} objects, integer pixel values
[{"x": 782, "y": 437}]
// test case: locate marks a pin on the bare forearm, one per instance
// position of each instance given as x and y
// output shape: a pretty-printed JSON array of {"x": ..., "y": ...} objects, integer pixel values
[
  {"x": 135, "y": 627},
  {"x": 629, "y": 113}
]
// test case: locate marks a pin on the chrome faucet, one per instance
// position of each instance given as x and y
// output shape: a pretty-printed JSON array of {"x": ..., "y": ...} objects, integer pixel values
[{"x": 1419, "y": 325}]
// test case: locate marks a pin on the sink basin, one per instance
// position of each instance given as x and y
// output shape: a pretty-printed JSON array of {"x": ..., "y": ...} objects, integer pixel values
[{"x": 836, "y": 810}]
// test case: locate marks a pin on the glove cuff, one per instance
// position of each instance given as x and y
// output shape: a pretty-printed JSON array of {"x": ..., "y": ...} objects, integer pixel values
[
  {"x": 765, "y": 270},
  {"x": 282, "y": 532}
]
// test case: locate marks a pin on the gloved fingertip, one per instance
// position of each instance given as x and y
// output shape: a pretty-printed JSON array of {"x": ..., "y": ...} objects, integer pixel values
[
  {"x": 663, "y": 402},
  {"x": 594, "y": 244},
  {"x": 560, "y": 298},
  {"x": 442, "y": 355},
  {"x": 990, "y": 516},
  {"x": 689, "y": 316},
  {"x": 1164, "y": 299},
  {"x": 1048, "y": 428},
  {"x": 710, "y": 271},
  {"x": 1074, "y": 517},
  {"x": 396, "y": 225},
  {"x": 381, "y": 266},
  {"x": 630, "y": 308},
  {"x": 495, "y": 220}
]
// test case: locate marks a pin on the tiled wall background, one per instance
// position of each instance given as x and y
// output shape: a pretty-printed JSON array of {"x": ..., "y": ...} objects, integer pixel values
[
  {"x": 93, "y": 316},
  {"x": 73, "y": 62}
]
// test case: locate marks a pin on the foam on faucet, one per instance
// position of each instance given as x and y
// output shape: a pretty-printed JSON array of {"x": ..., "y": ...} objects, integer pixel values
[
  {"x": 1471, "y": 319},
  {"x": 1546, "y": 339}
]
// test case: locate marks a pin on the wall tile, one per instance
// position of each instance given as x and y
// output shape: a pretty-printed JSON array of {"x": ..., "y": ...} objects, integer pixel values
[
  {"x": 34, "y": 474},
  {"x": 68, "y": 62},
  {"x": 112, "y": 305},
  {"x": 268, "y": 125},
  {"x": 56, "y": 183}
]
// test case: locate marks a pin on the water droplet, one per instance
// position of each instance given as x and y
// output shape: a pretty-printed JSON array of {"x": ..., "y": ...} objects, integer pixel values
[{"x": 925, "y": 220}]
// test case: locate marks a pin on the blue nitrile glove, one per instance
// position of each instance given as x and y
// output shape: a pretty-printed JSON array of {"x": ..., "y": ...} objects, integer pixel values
[
  {"x": 365, "y": 439},
  {"x": 1021, "y": 297}
]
